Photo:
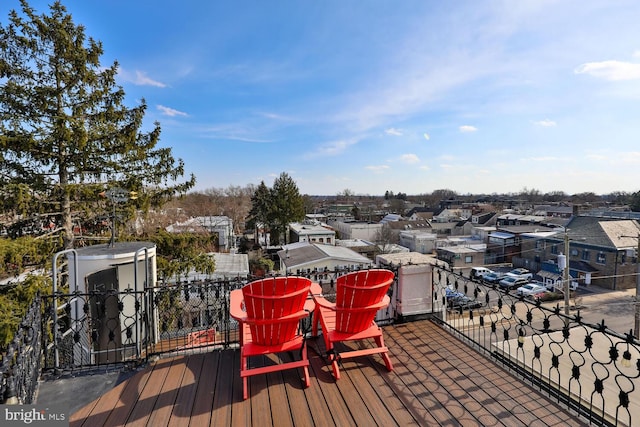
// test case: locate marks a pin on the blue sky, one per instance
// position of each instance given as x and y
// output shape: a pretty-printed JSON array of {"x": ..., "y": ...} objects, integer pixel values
[{"x": 408, "y": 96}]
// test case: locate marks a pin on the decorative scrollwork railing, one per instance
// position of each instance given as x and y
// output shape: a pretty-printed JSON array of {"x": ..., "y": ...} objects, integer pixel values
[
  {"x": 589, "y": 368},
  {"x": 21, "y": 362}
]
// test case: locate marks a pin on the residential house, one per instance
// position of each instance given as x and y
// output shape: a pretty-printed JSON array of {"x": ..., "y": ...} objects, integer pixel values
[
  {"x": 306, "y": 257},
  {"x": 505, "y": 243},
  {"x": 484, "y": 219},
  {"x": 602, "y": 251},
  {"x": 452, "y": 215},
  {"x": 420, "y": 214},
  {"x": 402, "y": 225},
  {"x": 418, "y": 241},
  {"x": 463, "y": 256},
  {"x": 311, "y": 231},
  {"x": 220, "y": 225},
  {"x": 556, "y": 211},
  {"x": 508, "y": 219},
  {"x": 346, "y": 230}
]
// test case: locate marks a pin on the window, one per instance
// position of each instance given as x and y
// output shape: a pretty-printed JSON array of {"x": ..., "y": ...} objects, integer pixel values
[
  {"x": 468, "y": 259},
  {"x": 554, "y": 249},
  {"x": 539, "y": 245},
  {"x": 573, "y": 252},
  {"x": 601, "y": 258},
  {"x": 321, "y": 240},
  {"x": 585, "y": 255}
]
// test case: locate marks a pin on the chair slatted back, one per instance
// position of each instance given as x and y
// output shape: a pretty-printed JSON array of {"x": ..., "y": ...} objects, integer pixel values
[
  {"x": 267, "y": 301},
  {"x": 357, "y": 293}
]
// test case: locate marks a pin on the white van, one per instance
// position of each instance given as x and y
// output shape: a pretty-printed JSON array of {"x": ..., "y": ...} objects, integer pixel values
[{"x": 478, "y": 272}]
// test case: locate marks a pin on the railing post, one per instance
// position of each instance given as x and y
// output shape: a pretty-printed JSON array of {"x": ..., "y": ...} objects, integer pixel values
[
  {"x": 135, "y": 291},
  {"x": 54, "y": 273}
]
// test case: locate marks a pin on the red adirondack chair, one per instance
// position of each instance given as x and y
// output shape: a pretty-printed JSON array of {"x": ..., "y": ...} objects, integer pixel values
[
  {"x": 270, "y": 323},
  {"x": 359, "y": 295}
]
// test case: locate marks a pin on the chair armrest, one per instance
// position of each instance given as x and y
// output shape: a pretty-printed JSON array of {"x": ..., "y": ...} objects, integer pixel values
[
  {"x": 235, "y": 305},
  {"x": 315, "y": 289},
  {"x": 322, "y": 302}
]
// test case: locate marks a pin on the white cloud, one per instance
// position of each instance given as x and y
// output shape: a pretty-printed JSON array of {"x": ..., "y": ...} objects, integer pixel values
[
  {"x": 332, "y": 148},
  {"x": 410, "y": 158},
  {"x": 139, "y": 78},
  {"x": 426, "y": 136},
  {"x": 610, "y": 70},
  {"x": 394, "y": 132},
  {"x": 142, "y": 80},
  {"x": 425, "y": 167},
  {"x": 276, "y": 117},
  {"x": 171, "y": 112},
  {"x": 377, "y": 168},
  {"x": 545, "y": 123},
  {"x": 467, "y": 128}
]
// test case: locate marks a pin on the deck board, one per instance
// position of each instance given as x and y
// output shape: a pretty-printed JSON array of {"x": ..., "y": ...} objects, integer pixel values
[
  {"x": 166, "y": 401},
  {"x": 437, "y": 380},
  {"x": 203, "y": 402},
  {"x": 186, "y": 395}
]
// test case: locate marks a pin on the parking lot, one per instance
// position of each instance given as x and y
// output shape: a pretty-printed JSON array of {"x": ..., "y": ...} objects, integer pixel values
[{"x": 616, "y": 308}]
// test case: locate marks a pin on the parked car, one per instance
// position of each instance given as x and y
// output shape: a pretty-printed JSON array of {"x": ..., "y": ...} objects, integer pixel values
[
  {"x": 573, "y": 285},
  {"x": 464, "y": 302},
  {"x": 520, "y": 272},
  {"x": 479, "y": 272},
  {"x": 451, "y": 293},
  {"x": 493, "y": 277},
  {"x": 530, "y": 289},
  {"x": 511, "y": 282},
  {"x": 549, "y": 296}
]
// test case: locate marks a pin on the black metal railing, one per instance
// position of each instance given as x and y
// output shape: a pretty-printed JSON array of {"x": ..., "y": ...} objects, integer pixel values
[
  {"x": 110, "y": 327},
  {"x": 21, "y": 362},
  {"x": 84, "y": 330},
  {"x": 588, "y": 368}
]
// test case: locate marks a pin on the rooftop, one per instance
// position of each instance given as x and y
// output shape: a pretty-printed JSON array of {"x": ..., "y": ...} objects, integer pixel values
[{"x": 433, "y": 383}]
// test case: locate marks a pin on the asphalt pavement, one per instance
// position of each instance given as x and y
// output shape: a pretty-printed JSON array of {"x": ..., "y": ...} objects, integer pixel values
[{"x": 616, "y": 308}]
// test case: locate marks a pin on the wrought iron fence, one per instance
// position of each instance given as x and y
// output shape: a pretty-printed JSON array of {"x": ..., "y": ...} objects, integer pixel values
[
  {"x": 21, "y": 363},
  {"x": 111, "y": 327},
  {"x": 588, "y": 368},
  {"x": 84, "y": 330}
]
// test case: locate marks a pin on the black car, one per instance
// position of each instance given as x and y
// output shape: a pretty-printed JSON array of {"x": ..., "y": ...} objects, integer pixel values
[{"x": 463, "y": 302}]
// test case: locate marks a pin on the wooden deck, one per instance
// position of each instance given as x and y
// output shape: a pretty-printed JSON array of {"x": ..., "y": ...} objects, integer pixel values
[{"x": 437, "y": 381}]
